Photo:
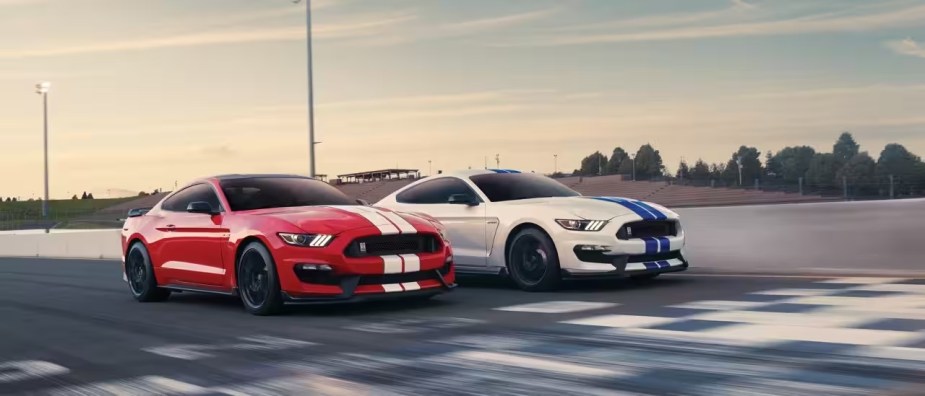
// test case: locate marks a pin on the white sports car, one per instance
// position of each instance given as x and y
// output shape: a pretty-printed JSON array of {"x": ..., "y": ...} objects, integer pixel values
[{"x": 538, "y": 231}]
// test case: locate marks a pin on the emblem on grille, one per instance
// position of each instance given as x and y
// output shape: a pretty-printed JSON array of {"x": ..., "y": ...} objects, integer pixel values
[{"x": 362, "y": 247}]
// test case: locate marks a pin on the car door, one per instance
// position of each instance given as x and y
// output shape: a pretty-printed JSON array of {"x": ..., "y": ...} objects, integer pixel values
[
  {"x": 464, "y": 219},
  {"x": 191, "y": 244}
]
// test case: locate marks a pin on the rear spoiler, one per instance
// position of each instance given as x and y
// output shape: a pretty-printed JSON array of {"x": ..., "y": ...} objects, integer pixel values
[{"x": 136, "y": 212}]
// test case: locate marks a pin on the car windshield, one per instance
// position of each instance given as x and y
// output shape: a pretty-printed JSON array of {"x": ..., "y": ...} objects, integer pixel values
[
  {"x": 513, "y": 186},
  {"x": 278, "y": 192}
]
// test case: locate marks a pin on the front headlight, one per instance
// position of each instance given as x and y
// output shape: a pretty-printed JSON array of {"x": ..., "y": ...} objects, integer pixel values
[
  {"x": 582, "y": 225},
  {"x": 306, "y": 240}
]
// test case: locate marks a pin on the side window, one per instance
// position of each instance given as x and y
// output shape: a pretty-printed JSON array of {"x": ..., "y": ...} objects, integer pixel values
[
  {"x": 435, "y": 191},
  {"x": 182, "y": 199}
]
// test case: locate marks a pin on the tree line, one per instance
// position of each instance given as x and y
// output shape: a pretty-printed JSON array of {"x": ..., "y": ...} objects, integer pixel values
[{"x": 789, "y": 166}]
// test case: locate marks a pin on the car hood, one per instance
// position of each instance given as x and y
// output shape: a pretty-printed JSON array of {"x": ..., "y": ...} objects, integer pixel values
[
  {"x": 599, "y": 208},
  {"x": 336, "y": 219}
]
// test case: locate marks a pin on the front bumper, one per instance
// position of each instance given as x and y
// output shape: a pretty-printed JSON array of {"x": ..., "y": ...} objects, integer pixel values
[
  {"x": 619, "y": 268},
  {"x": 353, "y": 291},
  {"x": 619, "y": 257}
]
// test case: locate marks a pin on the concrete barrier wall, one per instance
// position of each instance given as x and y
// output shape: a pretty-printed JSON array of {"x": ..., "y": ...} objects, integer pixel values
[
  {"x": 92, "y": 244},
  {"x": 878, "y": 237}
]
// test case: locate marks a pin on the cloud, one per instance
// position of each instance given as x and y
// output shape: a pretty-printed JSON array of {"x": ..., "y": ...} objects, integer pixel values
[
  {"x": 880, "y": 89},
  {"x": 19, "y": 2},
  {"x": 736, "y": 9},
  {"x": 907, "y": 47},
  {"x": 502, "y": 21},
  {"x": 218, "y": 151},
  {"x": 848, "y": 20},
  {"x": 368, "y": 26}
]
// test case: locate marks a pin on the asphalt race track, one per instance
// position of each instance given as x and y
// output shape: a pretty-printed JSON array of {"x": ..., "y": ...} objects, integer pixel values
[{"x": 69, "y": 327}]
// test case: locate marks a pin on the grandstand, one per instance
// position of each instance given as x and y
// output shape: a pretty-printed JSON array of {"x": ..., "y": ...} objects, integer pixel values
[
  {"x": 111, "y": 217},
  {"x": 670, "y": 195}
]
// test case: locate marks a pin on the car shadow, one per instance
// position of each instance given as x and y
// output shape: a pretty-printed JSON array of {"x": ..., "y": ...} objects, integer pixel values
[
  {"x": 441, "y": 303},
  {"x": 575, "y": 286}
]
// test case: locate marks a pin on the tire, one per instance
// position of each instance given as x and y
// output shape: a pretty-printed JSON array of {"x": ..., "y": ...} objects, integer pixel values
[
  {"x": 258, "y": 281},
  {"x": 533, "y": 262},
  {"x": 139, "y": 272}
]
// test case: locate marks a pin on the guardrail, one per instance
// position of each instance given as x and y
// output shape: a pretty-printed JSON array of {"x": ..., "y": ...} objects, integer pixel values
[{"x": 876, "y": 237}]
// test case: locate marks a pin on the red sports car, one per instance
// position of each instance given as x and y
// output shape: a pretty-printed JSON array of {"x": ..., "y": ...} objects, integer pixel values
[{"x": 276, "y": 239}]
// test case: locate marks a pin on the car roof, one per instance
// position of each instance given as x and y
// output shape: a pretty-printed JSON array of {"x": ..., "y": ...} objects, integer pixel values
[
  {"x": 255, "y": 175},
  {"x": 474, "y": 172}
]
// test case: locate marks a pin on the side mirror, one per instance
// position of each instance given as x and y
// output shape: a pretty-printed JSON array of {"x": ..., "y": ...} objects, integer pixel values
[
  {"x": 135, "y": 212},
  {"x": 363, "y": 202},
  {"x": 201, "y": 207},
  {"x": 463, "y": 199}
]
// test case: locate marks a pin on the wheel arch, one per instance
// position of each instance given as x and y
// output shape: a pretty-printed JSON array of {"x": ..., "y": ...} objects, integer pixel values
[
  {"x": 130, "y": 242},
  {"x": 239, "y": 249},
  {"x": 516, "y": 229}
]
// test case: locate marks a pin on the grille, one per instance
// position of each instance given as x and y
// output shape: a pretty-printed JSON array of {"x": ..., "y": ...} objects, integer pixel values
[
  {"x": 648, "y": 229},
  {"x": 598, "y": 257},
  {"x": 654, "y": 257},
  {"x": 397, "y": 278},
  {"x": 382, "y": 245}
]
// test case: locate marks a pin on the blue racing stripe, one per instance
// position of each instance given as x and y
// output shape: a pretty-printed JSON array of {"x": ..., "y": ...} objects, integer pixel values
[
  {"x": 644, "y": 214},
  {"x": 499, "y": 171},
  {"x": 655, "y": 212},
  {"x": 650, "y": 266},
  {"x": 512, "y": 171},
  {"x": 651, "y": 245},
  {"x": 663, "y": 264},
  {"x": 664, "y": 245}
]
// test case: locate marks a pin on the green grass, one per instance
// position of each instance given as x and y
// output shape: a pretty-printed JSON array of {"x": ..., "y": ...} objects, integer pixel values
[{"x": 17, "y": 214}]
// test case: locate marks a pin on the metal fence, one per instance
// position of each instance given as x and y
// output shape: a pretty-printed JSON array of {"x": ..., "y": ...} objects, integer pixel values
[
  {"x": 885, "y": 187},
  {"x": 33, "y": 220}
]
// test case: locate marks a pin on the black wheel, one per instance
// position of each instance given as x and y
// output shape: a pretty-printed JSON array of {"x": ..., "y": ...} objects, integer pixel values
[
  {"x": 258, "y": 283},
  {"x": 140, "y": 275},
  {"x": 533, "y": 261}
]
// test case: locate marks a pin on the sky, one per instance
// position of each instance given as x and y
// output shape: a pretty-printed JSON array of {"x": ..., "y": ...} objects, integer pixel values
[{"x": 149, "y": 93}]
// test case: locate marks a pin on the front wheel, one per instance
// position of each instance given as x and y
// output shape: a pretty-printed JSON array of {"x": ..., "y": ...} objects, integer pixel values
[
  {"x": 533, "y": 261},
  {"x": 140, "y": 275},
  {"x": 258, "y": 283}
]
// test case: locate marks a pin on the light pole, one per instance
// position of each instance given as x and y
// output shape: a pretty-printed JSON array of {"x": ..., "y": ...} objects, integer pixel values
[
  {"x": 739, "y": 163},
  {"x": 634, "y": 166},
  {"x": 555, "y": 163},
  {"x": 42, "y": 88},
  {"x": 311, "y": 88}
]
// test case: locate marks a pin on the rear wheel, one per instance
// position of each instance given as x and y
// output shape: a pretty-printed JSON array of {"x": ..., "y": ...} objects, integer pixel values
[
  {"x": 258, "y": 283},
  {"x": 140, "y": 275},
  {"x": 533, "y": 261}
]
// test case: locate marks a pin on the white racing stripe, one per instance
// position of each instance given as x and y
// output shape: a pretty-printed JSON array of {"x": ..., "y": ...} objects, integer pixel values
[
  {"x": 373, "y": 216},
  {"x": 392, "y": 264},
  {"x": 412, "y": 262},
  {"x": 392, "y": 288},
  {"x": 183, "y": 266},
  {"x": 411, "y": 286},
  {"x": 403, "y": 225}
]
